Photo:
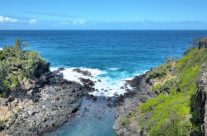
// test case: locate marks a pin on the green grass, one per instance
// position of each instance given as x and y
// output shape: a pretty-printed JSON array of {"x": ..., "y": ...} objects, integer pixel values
[{"x": 170, "y": 114}]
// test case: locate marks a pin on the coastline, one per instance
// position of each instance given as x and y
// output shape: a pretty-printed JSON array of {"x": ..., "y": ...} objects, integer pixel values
[
  {"x": 172, "y": 93},
  {"x": 44, "y": 107},
  {"x": 45, "y": 101}
]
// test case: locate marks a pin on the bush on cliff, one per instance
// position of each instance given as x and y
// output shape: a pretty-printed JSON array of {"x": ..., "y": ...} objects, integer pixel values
[{"x": 18, "y": 65}]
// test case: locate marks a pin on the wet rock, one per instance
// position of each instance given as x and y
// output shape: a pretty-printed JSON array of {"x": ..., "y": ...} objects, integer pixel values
[
  {"x": 99, "y": 80},
  {"x": 122, "y": 87},
  {"x": 88, "y": 82},
  {"x": 116, "y": 94},
  {"x": 83, "y": 72},
  {"x": 59, "y": 70}
]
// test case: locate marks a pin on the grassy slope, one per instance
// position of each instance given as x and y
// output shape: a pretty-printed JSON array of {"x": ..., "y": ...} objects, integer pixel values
[{"x": 169, "y": 114}]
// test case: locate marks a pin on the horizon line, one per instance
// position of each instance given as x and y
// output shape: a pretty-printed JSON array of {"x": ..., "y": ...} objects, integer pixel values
[{"x": 103, "y": 29}]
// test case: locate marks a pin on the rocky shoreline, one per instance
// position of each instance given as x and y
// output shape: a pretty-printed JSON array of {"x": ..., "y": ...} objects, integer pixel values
[
  {"x": 44, "y": 100},
  {"x": 45, "y": 105},
  {"x": 177, "y": 91},
  {"x": 129, "y": 102}
]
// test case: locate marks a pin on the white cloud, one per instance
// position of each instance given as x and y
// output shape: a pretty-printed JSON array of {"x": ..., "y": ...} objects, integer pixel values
[
  {"x": 79, "y": 22},
  {"x": 4, "y": 19},
  {"x": 32, "y": 21}
]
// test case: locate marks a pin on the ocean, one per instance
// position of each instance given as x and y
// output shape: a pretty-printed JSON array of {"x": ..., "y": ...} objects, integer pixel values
[{"x": 111, "y": 56}]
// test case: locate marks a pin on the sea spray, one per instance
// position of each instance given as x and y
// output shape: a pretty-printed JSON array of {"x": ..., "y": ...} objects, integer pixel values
[{"x": 108, "y": 83}]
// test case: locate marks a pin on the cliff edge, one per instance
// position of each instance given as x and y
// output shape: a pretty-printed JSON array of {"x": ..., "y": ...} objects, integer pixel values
[{"x": 174, "y": 98}]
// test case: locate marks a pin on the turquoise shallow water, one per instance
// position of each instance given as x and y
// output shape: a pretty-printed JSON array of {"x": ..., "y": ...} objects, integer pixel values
[
  {"x": 111, "y": 56},
  {"x": 94, "y": 118}
]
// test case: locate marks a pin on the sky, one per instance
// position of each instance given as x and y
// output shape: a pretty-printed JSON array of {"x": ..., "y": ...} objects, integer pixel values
[{"x": 103, "y": 14}]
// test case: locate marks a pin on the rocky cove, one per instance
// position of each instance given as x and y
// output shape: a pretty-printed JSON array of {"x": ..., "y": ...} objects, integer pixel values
[
  {"x": 41, "y": 105},
  {"x": 48, "y": 104}
]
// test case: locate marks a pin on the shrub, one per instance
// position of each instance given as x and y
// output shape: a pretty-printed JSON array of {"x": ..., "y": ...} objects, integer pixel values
[
  {"x": 17, "y": 64},
  {"x": 125, "y": 122},
  {"x": 157, "y": 72}
]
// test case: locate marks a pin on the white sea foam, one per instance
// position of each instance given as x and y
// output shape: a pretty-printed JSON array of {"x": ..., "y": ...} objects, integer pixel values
[
  {"x": 104, "y": 84},
  {"x": 71, "y": 75},
  {"x": 114, "y": 69}
]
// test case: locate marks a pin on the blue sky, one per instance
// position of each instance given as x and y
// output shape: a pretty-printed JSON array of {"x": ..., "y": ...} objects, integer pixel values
[{"x": 103, "y": 14}]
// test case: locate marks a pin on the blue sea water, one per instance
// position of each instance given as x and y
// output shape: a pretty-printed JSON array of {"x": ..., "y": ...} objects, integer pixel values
[
  {"x": 128, "y": 50},
  {"x": 111, "y": 56}
]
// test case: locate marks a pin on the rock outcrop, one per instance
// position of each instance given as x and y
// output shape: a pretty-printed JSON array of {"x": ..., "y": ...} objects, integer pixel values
[
  {"x": 200, "y": 102},
  {"x": 201, "y": 43},
  {"x": 83, "y": 72},
  {"x": 49, "y": 102},
  {"x": 128, "y": 103}
]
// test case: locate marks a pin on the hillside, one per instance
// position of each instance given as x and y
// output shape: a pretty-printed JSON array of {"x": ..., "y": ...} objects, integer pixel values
[{"x": 169, "y": 105}]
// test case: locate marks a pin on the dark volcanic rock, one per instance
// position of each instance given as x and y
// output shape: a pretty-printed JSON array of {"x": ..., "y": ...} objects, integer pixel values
[
  {"x": 60, "y": 69},
  {"x": 94, "y": 98},
  {"x": 200, "y": 102},
  {"x": 87, "y": 82},
  {"x": 83, "y": 72},
  {"x": 42, "y": 68},
  {"x": 56, "y": 100},
  {"x": 128, "y": 103},
  {"x": 201, "y": 43}
]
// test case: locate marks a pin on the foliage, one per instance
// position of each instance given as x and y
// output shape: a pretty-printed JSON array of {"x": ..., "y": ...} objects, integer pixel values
[
  {"x": 17, "y": 65},
  {"x": 125, "y": 122},
  {"x": 161, "y": 71},
  {"x": 157, "y": 72},
  {"x": 170, "y": 114}
]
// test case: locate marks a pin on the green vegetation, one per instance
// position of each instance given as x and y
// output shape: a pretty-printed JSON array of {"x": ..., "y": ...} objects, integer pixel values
[
  {"x": 17, "y": 66},
  {"x": 163, "y": 77},
  {"x": 170, "y": 113},
  {"x": 125, "y": 122}
]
